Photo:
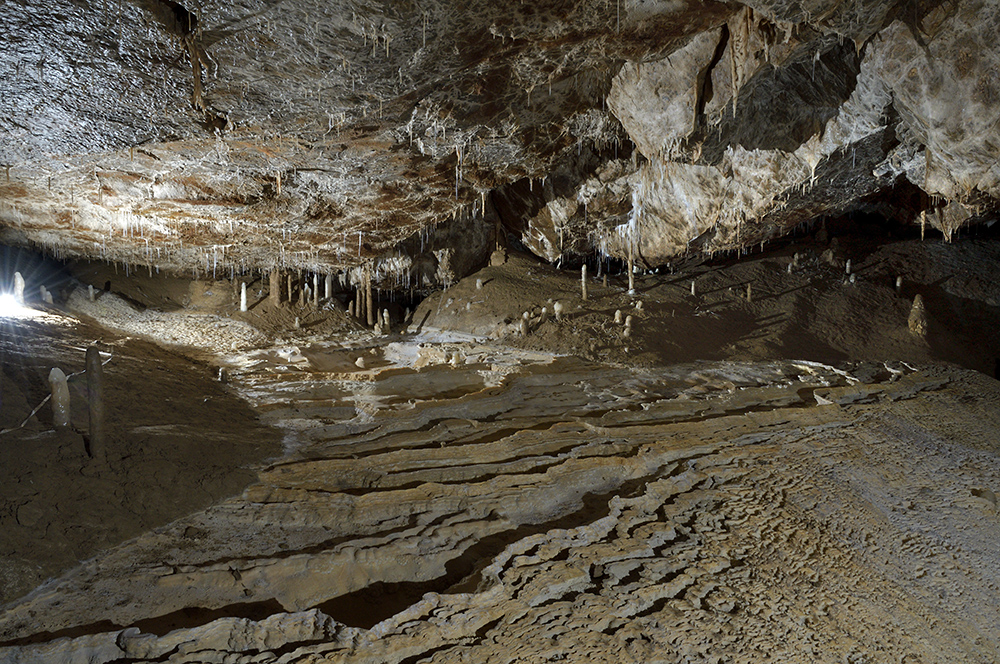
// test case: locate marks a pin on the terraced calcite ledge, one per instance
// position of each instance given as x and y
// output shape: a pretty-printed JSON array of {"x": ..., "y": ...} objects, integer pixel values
[{"x": 532, "y": 511}]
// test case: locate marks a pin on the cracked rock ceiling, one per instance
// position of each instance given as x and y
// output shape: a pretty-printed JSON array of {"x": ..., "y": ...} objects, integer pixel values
[{"x": 322, "y": 135}]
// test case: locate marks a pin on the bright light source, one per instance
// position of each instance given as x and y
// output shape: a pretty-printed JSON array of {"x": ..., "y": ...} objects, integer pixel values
[{"x": 10, "y": 307}]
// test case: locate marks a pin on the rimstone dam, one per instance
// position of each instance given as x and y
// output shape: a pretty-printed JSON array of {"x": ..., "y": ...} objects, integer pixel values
[{"x": 426, "y": 331}]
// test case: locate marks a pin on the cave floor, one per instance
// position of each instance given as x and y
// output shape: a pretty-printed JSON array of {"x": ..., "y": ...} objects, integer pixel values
[{"x": 458, "y": 498}]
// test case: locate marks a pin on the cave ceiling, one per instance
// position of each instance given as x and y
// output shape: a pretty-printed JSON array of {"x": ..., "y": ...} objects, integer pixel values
[{"x": 319, "y": 135}]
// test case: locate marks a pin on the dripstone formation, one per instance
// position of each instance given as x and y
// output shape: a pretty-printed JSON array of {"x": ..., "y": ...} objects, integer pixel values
[{"x": 226, "y": 137}]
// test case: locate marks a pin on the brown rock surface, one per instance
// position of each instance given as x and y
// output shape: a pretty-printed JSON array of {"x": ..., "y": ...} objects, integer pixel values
[{"x": 619, "y": 516}]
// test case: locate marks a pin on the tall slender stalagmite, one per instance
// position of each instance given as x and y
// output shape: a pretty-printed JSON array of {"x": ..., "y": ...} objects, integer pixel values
[
  {"x": 275, "y": 287},
  {"x": 243, "y": 296},
  {"x": 370, "y": 305},
  {"x": 95, "y": 397},
  {"x": 917, "y": 322},
  {"x": 631, "y": 271},
  {"x": 60, "y": 397},
  {"x": 290, "y": 288},
  {"x": 18, "y": 288}
]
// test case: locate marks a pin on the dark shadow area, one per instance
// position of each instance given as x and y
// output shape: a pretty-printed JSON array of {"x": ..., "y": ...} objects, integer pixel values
[
  {"x": 780, "y": 108},
  {"x": 185, "y": 618},
  {"x": 177, "y": 442}
]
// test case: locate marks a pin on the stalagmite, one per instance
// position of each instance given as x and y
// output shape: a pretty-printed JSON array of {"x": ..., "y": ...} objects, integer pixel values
[
  {"x": 243, "y": 296},
  {"x": 90, "y": 292},
  {"x": 523, "y": 327},
  {"x": 60, "y": 397},
  {"x": 291, "y": 288},
  {"x": 694, "y": 292},
  {"x": 789, "y": 269},
  {"x": 631, "y": 273},
  {"x": 360, "y": 363},
  {"x": 917, "y": 321},
  {"x": 558, "y": 309},
  {"x": 385, "y": 321},
  {"x": 618, "y": 316},
  {"x": 328, "y": 287},
  {"x": 847, "y": 266},
  {"x": 274, "y": 293},
  {"x": 297, "y": 323},
  {"x": 359, "y": 304},
  {"x": 315, "y": 290},
  {"x": 628, "y": 322},
  {"x": 369, "y": 303},
  {"x": 899, "y": 284},
  {"x": 18, "y": 288},
  {"x": 749, "y": 293},
  {"x": 350, "y": 309},
  {"x": 583, "y": 282},
  {"x": 46, "y": 294},
  {"x": 638, "y": 305},
  {"x": 95, "y": 398},
  {"x": 479, "y": 284},
  {"x": 304, "y": 295},
  {"x": 605, "y": 282}
]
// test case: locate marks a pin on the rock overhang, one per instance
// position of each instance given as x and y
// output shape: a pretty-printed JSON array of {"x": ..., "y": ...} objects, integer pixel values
[{"x": 257, "y": 135}]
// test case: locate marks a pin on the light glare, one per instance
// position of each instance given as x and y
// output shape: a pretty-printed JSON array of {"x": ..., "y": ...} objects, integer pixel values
[{"x": 9, "y": 306}]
